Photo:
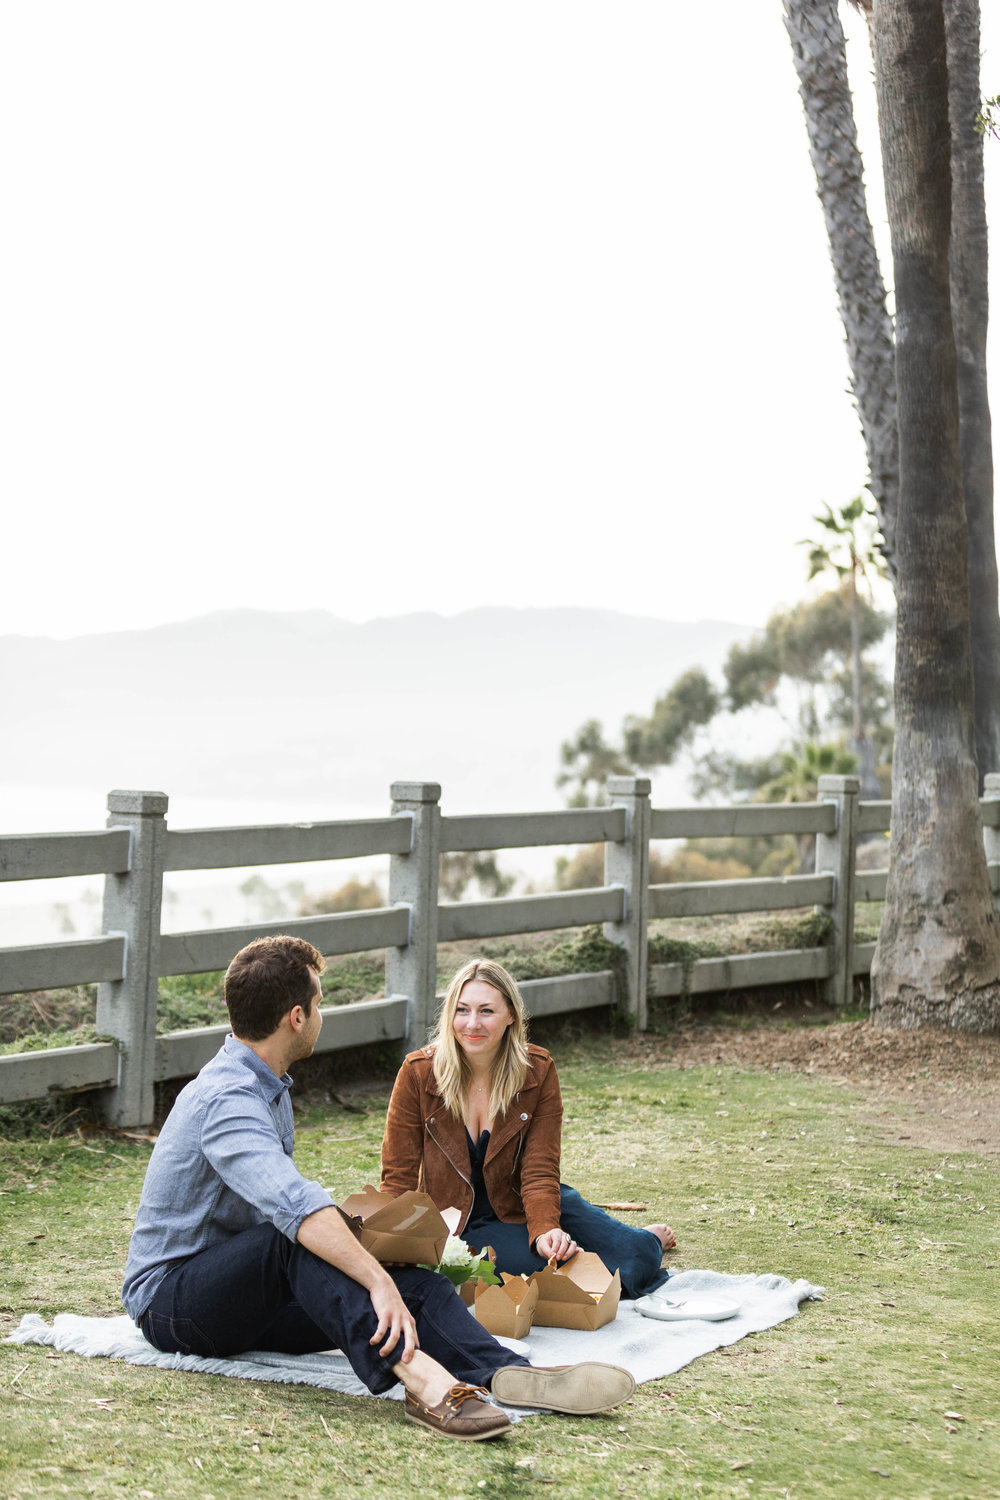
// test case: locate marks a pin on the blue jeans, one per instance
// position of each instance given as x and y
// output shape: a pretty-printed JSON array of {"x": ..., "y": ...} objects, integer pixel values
[
  {"x": 635, "y": 1253},
  {"x": 251, "y": 1291}
]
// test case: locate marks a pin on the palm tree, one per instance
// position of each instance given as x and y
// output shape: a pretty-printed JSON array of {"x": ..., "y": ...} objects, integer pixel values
[
  {"x": 849, "y": 550},
  {"x": 937, "y": 961},
  {"x": 821, "y": 62},
  {"x": 798, "y": 781},
  {"x": 968, "y": 265},
  {"x": 820, "y": 55}
]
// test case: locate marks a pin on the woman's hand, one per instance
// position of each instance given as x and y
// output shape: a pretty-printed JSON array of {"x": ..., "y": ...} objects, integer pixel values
[{"x": 555, "y": 1244}]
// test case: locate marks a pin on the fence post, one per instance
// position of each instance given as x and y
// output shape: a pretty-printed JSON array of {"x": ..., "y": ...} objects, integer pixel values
[
  {"x": 126, "y": 1008},
  {"x": 836, "y": 855},
  {"x": 413, "y": 881},
  {"x": 627, "y": 864}
]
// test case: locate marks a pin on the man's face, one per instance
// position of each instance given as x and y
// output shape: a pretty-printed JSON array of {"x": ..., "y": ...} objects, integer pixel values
[{"x": 314, "y": 1020}]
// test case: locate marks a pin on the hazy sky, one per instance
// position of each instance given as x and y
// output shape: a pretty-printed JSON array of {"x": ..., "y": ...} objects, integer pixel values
[{"x": 409, "y": 304}]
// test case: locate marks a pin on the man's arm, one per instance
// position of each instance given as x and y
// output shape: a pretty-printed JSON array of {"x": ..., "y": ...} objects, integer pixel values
[
  {"x": 239, "y": 1139},
  {"x": 328, "y": 1237}
]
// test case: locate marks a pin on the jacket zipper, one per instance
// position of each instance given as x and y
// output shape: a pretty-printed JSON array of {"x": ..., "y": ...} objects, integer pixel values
[
  {"x": 517, "y": 1155},
  {"x": 458, "y": 1169}
]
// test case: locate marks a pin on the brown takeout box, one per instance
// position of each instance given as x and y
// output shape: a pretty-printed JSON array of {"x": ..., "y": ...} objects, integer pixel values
[
  {"x": 506, "y": 1310},
  {"x": 581, "y": 1293},
  {"x": 408, "y": 1229}
]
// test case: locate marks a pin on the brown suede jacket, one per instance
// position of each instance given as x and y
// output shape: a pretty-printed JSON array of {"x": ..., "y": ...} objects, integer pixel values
[{"x": 425, "y": 1147}]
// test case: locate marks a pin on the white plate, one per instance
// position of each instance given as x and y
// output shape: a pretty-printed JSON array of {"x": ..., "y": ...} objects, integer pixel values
[{"x": 683, "y": 1309}]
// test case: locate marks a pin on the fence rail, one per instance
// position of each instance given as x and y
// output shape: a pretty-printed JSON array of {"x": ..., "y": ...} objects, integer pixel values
[
  {"x": 701, "y": 898},
  {"x": 51, "y": 966},
  {"x": 43, "y": 856},
  {"x": 741, "y": 971},
  {"x": 285, "y": 843},
  {"x": 179, "y": 1054},
  {"x": 873, "y": 817},
  {"x": 499, "y": 918},
  {"x": 346, "y": 932},
  {"x": 58, "y": 1070},
  {"x": 590, "y": 825},
  {"x": 740, "y": 822},
  {"x": 136, "y": 849}
]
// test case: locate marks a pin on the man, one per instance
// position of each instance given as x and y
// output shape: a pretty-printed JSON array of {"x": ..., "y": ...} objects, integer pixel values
[{"x": 233, "y": 1249}]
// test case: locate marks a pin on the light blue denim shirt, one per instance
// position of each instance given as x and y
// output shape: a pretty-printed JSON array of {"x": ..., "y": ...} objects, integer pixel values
[{"x": 222, "y": 1163}]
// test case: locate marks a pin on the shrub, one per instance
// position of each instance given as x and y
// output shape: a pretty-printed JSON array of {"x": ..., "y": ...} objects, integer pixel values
[{"x": 353, "y": 895}]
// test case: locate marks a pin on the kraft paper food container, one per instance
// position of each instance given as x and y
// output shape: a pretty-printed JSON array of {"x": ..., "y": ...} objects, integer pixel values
[
  {"x": 408, "y": 1229},
  {"x": 453, "y": 1218},
  {"x": 506, "y": 1310},
  {"x": 581, "y": 1293}
]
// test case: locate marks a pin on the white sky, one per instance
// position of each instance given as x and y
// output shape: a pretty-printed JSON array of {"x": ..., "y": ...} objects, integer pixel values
[{"x": 414, "y": 304}]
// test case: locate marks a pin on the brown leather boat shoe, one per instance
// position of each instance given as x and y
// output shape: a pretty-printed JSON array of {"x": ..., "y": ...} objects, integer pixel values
[{"x": 463, "y": 1414}]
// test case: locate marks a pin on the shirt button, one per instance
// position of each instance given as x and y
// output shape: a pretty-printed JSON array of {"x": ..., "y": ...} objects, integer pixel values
[
  {"x": 524, "y": 1117},
  {"x": 431, "y": 1120}
]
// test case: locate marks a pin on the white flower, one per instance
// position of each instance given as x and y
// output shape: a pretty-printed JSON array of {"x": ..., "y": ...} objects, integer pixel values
[{"x": 456, "y": 1252}]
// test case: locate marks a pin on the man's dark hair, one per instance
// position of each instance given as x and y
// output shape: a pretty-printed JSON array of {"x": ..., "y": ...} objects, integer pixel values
[{"x": 267, "y": 979}]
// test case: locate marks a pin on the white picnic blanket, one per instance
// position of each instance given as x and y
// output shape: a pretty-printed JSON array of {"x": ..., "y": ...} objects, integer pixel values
[{"x": 647, "y": 1348}]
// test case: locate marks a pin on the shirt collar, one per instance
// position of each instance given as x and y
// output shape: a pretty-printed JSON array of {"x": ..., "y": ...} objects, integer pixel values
[{"x": 269, "y": 1081}]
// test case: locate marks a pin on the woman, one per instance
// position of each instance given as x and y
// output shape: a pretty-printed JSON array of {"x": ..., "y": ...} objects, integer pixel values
[{"x": 475, "y": 1120}]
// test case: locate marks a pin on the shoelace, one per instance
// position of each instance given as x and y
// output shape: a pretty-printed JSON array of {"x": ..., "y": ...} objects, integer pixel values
[
  {"x": 462, "y": 1393},
  {"x": 455, "y": 1398}
]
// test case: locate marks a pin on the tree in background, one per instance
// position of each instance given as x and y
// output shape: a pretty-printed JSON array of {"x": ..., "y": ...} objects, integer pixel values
[
  {"x": 690, "y": 704},
  {"x": 798, "y": 781},
  {"x": 585, "y": 869},
  {"x": 808, "y": 649},
  {"x": 820, "y": 55},
  {"x": 269, "y": 903},
  {"x": 588, "y": 760},
  {"x": 969, "y": 295},
  {"x": 848, "y": 547},
  {"x": 353, "y": 895},
  {"x": 937, "y": 961},
  {"x": 456, "y": 872},
  {"x": 821, "y": 62}
]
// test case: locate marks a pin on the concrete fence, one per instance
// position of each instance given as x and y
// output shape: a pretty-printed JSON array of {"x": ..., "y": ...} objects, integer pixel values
[{"x": 137, "y": 848}]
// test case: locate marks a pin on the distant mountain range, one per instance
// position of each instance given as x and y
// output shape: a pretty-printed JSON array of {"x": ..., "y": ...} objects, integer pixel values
[{"x": 251, "y": 703}]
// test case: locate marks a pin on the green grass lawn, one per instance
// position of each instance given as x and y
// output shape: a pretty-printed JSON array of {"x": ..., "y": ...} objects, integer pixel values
[{"x": 890, "y": 1387}]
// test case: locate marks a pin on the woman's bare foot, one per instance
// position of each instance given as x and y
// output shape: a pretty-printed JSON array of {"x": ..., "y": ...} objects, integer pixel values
[{"x": 664, "y": 1234}]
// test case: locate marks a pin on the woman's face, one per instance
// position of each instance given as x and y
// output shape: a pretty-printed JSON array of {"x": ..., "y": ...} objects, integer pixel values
[{"x": 482, "y": 1015}]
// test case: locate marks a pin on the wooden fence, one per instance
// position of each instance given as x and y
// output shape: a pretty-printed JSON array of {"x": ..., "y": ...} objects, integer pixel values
[{"x": 137, "y": 848}]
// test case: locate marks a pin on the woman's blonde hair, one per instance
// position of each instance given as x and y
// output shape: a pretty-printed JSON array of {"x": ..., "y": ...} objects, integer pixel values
[{"x": 510, "y": 1066}]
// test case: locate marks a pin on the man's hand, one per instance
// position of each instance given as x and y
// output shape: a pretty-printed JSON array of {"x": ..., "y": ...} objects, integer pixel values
[
  {"x": 395, "y": 1321},
  {"x": 555, "y": 1244},
  {"x": 326, "y": 1234}
]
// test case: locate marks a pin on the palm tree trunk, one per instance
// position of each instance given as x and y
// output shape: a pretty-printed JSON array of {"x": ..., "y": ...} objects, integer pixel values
[
  {"x": 970, "y": 311},
  {"x": 861, "y": 745},
  {"x": 857, "y": 726},
  {"x": 820, "y": 55},
  {"x": 937, "y": 960}
]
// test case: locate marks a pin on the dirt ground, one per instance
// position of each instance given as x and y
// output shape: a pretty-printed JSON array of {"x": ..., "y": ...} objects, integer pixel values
[{"x": 935, "y": 1089}]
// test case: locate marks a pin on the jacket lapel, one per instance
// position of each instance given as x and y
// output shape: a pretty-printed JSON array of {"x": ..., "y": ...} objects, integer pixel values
[
  {"x": 448, "y": 1132},
  {"x": 504, "y": 1130}
]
